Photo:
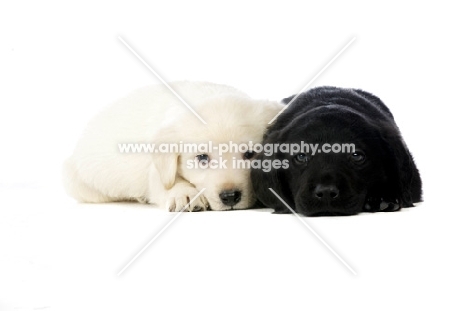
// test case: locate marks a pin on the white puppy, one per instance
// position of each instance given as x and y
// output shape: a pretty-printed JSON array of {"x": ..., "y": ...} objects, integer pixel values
[{"x": 99, "y": 172}]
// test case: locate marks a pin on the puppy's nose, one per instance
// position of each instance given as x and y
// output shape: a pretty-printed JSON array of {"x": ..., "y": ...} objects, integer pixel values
[
  {"x": 231, "y": 197},
  {"x": 326, "y": 192}
]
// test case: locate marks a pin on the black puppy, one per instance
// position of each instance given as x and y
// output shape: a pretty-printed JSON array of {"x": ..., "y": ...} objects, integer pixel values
[{"x": 378, "y": 174}]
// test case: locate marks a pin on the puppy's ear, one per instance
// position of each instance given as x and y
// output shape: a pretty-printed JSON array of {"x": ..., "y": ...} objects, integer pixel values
[
  {"x": 166, "y": 164},
  {"x": 403, "y": 176},
  {"x": 264, "y": 180},
  {"x": 287, "y": 99}
]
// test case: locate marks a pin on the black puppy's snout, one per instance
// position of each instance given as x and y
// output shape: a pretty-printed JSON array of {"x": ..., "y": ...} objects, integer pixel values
[
  {"x": 231, "y": 197},
  {"x": 326, "y": 192}
]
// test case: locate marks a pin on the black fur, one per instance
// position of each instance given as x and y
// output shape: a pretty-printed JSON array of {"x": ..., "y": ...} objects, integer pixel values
[{"x": 386, "y": 179}]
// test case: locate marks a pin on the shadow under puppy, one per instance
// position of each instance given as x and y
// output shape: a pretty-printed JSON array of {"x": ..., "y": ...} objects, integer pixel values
[{"x": 378, "y": 175}]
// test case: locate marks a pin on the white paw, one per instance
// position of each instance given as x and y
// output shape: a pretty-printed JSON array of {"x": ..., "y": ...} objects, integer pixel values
[
  {"x": 142, "y": 200},
  {"x": 181, "y": 199}
]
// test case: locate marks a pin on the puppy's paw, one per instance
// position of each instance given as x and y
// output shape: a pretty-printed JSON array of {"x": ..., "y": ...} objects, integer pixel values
[
  {"x": 381, "y": 205},
  {"x": 387, "y": 206},
  {"x": 142, "y": 200},
  {"x": 181, "y": 199}
]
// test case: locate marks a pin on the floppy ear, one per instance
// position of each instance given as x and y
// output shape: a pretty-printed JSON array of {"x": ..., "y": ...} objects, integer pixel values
[
  {"x": 404, "y": 179},
  {"x": 166, "y": 164},
  {"x": 275, "y": 179},
  {"x": 262, "y": 182},
  {"x": 286, "y": 100}
]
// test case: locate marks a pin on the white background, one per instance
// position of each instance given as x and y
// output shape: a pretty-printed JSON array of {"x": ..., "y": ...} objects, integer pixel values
[{"x": 60, "y": 63}]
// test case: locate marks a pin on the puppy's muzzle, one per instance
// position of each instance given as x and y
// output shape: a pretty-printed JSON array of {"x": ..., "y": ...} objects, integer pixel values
[{"x": 230, "y": 197}]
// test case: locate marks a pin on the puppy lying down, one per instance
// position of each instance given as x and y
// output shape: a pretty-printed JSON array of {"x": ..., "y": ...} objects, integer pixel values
[
  {"x": 99, "y": 172},
  {"x": 378, "y": 174}
]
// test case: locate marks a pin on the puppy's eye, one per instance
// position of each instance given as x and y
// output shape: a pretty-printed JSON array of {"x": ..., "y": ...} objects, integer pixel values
[
  {"x": 203, "y": 158},
  {"x": 248, "y": 155},
  {"x": 302, "y": 158},
  {"x": 358, "y": 157}
]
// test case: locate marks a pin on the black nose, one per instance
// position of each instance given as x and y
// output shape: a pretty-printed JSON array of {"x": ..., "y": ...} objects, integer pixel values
[
  {"x": 231, "y": 197},
  {"x": 328, "y": 192}
]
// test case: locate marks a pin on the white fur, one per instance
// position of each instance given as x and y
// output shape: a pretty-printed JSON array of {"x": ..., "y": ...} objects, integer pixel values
[{"x": 98, "y": 172}]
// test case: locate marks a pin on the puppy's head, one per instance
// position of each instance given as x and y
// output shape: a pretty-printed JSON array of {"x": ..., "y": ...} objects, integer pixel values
[
  {"x": 232, "y": 121},
  {"x": 358, "y": 165}
]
